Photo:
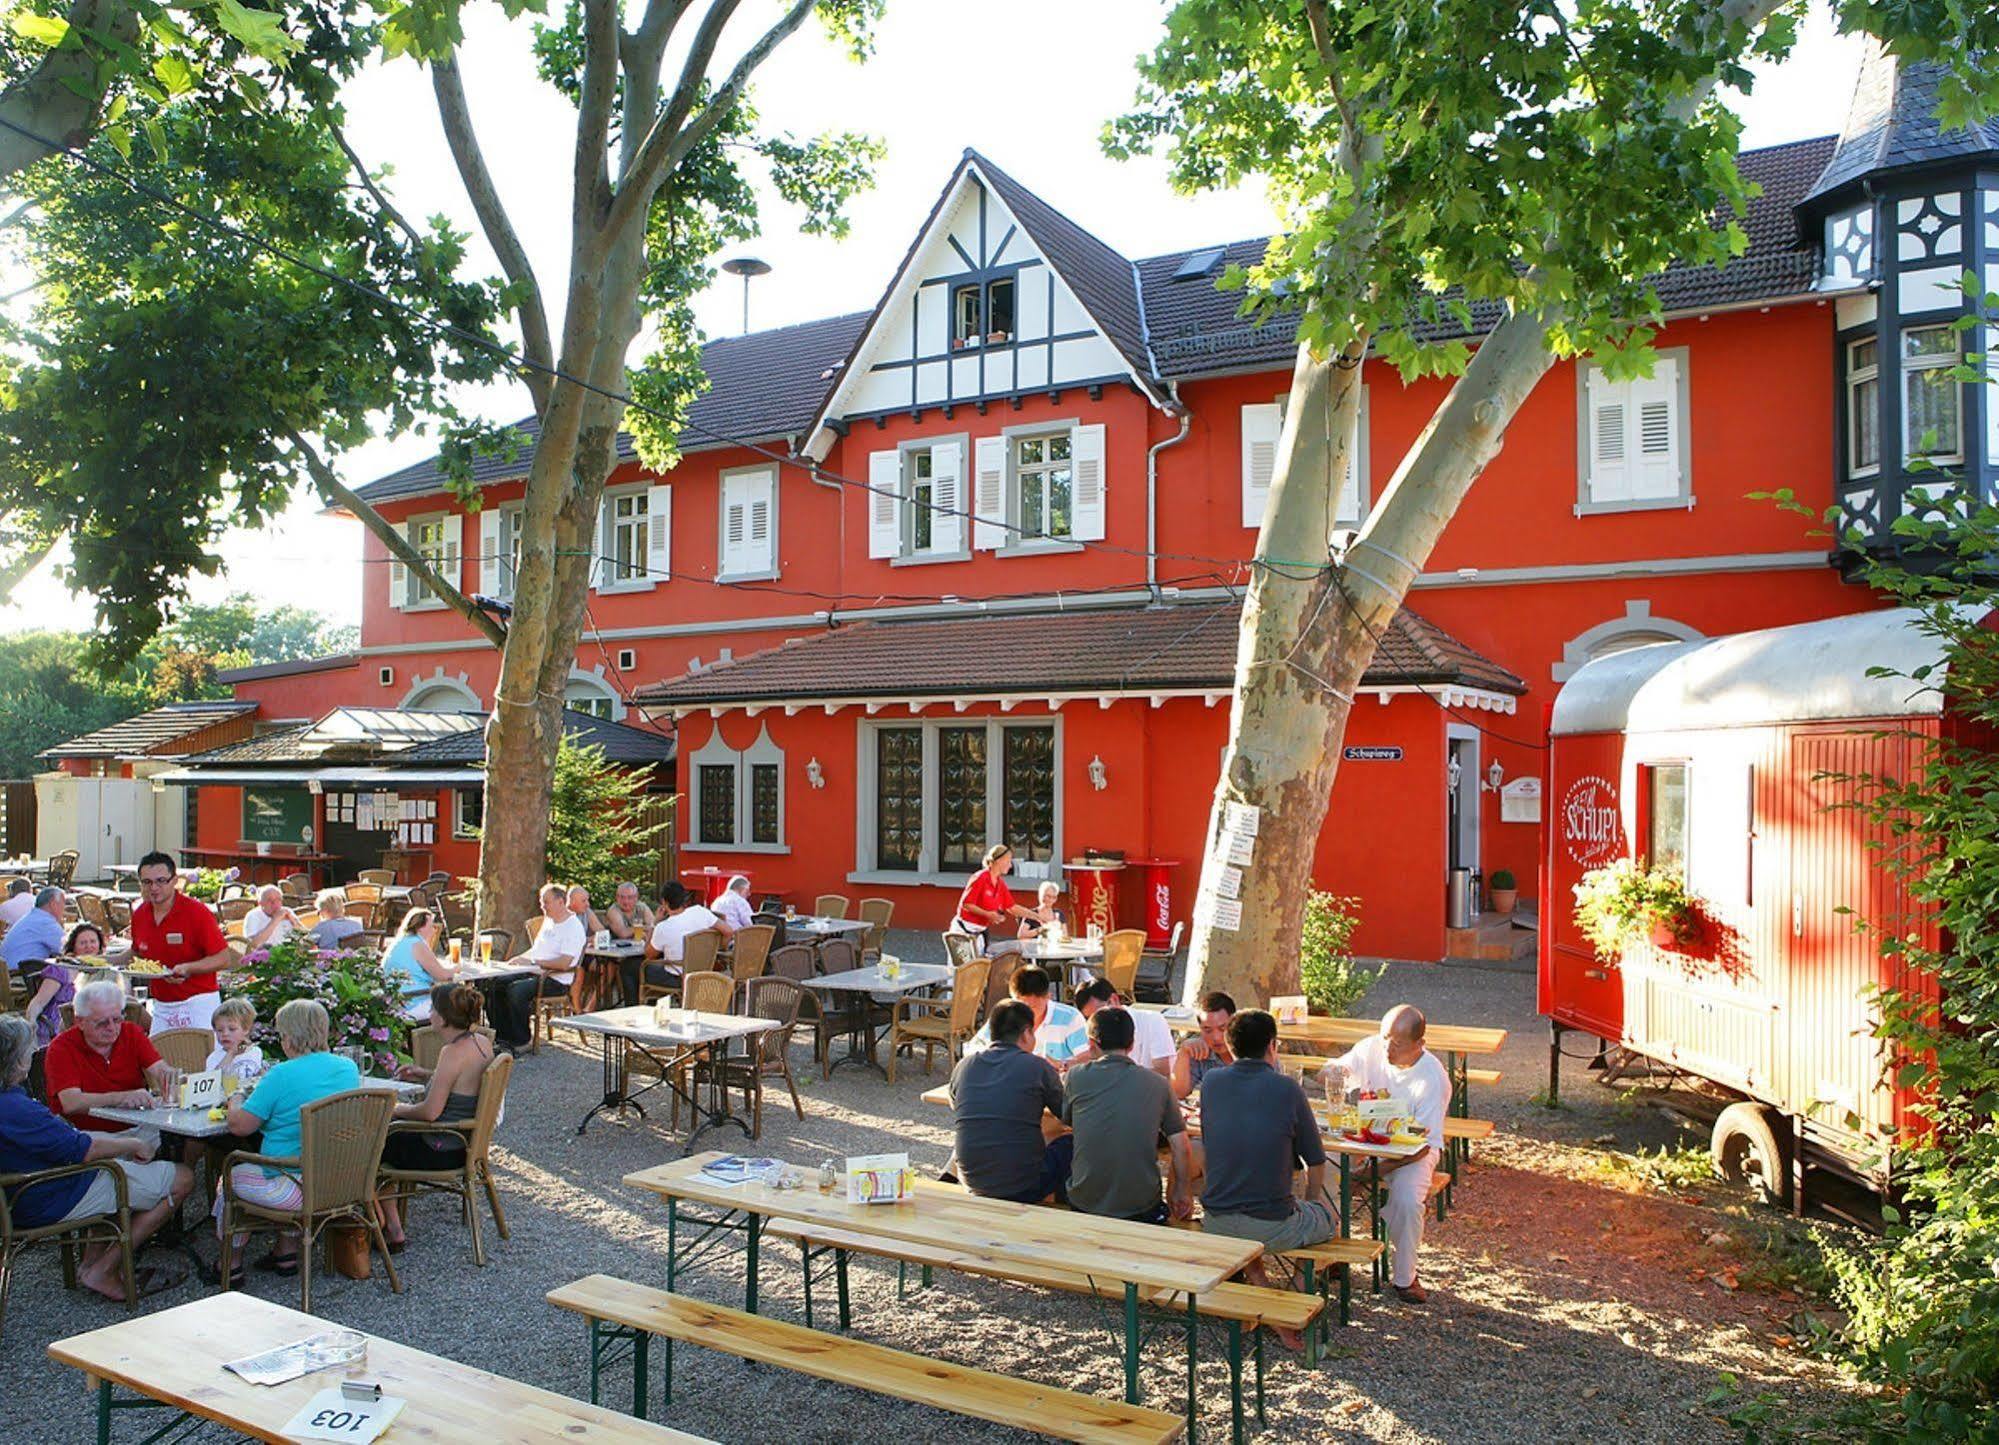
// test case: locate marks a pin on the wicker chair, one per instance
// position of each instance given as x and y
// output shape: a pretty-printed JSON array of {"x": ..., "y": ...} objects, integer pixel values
[
  {"x": 340, "y": 1155},
  {"x": 707, "y": 991},
  {"x": 751, "y": 951},
  {"x": 798, "y": 963},
  {"x": 119, "y": 911},
  {"x": 113, "y": 1226},
  {"x": 1000, "y": 981},
  {"x": 185, "y": 1049},
  {"x": 1155, "y": 970},
  {"x": 368, "y": 940},
  {"x": 1121, "y": 955},
  {"x": 876, "y": 912},
  {"x": 426, "y": 1043},
  {"x": 764, "y": 1054},
  {"x": 360, "y": 893},
  {"x": 698, "y": 953},
  {"x": 960, "y": 948},
  {"x": 62, "y": 868},
  {"x": 437, "y": 878},
  {"x": 830, "y": 905},
  {"x": 230, "y": 892},
  {"x": 380, "y": 877},
  {"x": 296, "y": 886},
  {"x": 548, "y": 1006},
  {"x": 477, "y": 1170},
  {"x": 934, "y": 1021},
  {"x": 235, "y": 910},
  {"x": 773, "y": 919},
  {"x": 90, "y": 908}
]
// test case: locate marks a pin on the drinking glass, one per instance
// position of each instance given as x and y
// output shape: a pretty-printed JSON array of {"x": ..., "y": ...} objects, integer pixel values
[
  {"x": 485, "y": 950},
  {"x": 457, "y": 947}
]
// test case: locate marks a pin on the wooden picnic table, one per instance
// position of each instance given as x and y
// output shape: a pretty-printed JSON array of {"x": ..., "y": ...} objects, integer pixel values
[
  {"x": 635, "y": 1029},
  {"x": 1138, "y": 1256},
  {"x": 173, "y": 1360}
]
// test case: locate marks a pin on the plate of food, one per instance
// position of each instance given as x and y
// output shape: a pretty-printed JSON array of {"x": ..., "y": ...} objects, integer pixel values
[{"x": 145, "y": 967}]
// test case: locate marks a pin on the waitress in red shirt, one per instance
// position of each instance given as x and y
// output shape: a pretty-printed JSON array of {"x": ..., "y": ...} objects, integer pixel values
[
  {"x": 987, "y": 900},
  {"x": 179, "y": 931}
]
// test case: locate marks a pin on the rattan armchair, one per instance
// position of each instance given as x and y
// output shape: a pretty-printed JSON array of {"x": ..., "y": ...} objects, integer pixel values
[
  {"x": 186, "y": 1049},
  {"x": 476, "y": 1172},
  {"x": 62, "y": 868},
  {"x": 90, "y": 908},
  {"x": 830, "y": 905},
  {"x": 765, "y": 1053},
  {"x": 698, "y": 952},
  {"x": 704, "y": 991},
  {"x": 113, "y": 1226},
  {"x": 340, "y": 1155},
  {"x": 750, "y": 952},
  {"x": 999, "y": 983},
  {"x": 380, "y": 877},
  {"x": 935, "y": 1021},
  {"x": 360, "y": 893},
  {"x": 875, "y": 912},
  {"x": 1121, "y": 955},
  {"x": 797, "y": 963},
  {"x": 427, "y": 1042}
]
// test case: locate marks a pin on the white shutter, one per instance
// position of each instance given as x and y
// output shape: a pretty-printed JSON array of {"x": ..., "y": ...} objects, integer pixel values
[
  {"x": 454, "y": 551},
  {"x": 1349, "y": 508},
  {"x": 947, "y": 488},
  {"x": 761, "y": 542},
  {"x": 735, "y": 526},
  {"x": 1607, "y": 428},
  {"x": 1654, "y": 444},
  {"x": 1086, "y": 464},
  {"x": 399, "y": 572},
  {"x": 989, "y": 492},
  {"x": 659, "y": 533},
  {"x": 492, "y": 539},
  {"x": 884, "y": 503},
  {"x": 1261, "y": 424},
  {"x": 600, "y": 568}
]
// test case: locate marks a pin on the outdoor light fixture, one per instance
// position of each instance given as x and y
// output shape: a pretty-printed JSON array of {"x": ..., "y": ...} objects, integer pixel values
[
  {"x": 1495, "y": 777},
  {"x": 1100, "y": 778},
  {"x": 814, "y": 774}
]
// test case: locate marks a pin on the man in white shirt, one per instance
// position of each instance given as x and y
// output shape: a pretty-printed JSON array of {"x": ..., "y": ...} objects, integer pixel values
[
  {"x": 733, "y": 906},
  {"x": 1395, "y": 1062},
  {"x": 20, "y": 898},
  {"x": 555, "y": 953},
  {"x": 1152, "y": 1047},
  {"x": 270, "y": 922},
  {"x": 683, "y": 918}
]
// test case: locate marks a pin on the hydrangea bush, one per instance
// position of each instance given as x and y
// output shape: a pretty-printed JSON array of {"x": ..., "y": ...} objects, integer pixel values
[{"x": 363, "y": 1004}]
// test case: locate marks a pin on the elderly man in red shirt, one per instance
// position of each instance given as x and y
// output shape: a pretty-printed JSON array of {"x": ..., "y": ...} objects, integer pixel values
[
  {"x": 181, "y": 932},
  {"x": 102, "y": 1061}
]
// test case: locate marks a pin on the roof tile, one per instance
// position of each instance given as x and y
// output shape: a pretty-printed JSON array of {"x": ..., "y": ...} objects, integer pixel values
[{"x": 152, "y": 732}]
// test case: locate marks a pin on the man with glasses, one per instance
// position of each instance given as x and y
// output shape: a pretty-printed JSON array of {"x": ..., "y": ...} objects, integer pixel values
[
  {"x": 180, "y": 932},
  {"x": 103, "y": 1062}
]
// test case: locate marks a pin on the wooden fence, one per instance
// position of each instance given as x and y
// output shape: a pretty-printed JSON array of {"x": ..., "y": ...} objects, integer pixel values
[
  {"x": 17, "y": 816},
  {"x": 659, "y": 808}
]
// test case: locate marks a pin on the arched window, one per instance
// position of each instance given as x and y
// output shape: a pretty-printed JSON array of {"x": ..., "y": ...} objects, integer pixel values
[
  {"x": 1636, "y": 628},
  {"x": 589, "y": 693},
  {"x": 438, "y": 693}
]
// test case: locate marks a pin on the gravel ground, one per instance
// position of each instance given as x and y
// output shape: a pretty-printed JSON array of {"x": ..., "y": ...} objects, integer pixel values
[{"x": 1571, "y": 1300}]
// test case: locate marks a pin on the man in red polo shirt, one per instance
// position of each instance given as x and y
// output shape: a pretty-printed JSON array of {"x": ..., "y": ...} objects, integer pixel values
[
  {"x": 101, "y": 1061},
  {"x": 179, "y": 931}
]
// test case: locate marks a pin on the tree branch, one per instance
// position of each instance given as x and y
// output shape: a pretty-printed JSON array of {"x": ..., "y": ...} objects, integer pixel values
[
  {"x": 536, "y": 348},
  {"x": 656, "y": 28},
  {"x": 593, "y": 110},
  {"x": 56, "y": 102},
  {"x": 339, "y": 494},
  {"x": 368, "y": 183},
  {"x": 14, "y": 215}
]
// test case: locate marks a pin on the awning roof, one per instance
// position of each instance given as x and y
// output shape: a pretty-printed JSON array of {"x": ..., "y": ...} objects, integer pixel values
[
  {"x": 1810, "y": 672},
  {"x": 1186, "y": 647},
  {"x": 386, "y": 778},
  {"x": 153, "y": 732}
]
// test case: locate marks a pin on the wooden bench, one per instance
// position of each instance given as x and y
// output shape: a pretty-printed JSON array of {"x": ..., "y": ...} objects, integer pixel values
[{"x": 640, "y": 1312}]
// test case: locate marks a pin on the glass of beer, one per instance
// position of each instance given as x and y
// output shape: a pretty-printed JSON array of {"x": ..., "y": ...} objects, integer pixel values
[
  {"x": 457, "y": 946},
  {"x": 486, "y": 949}
]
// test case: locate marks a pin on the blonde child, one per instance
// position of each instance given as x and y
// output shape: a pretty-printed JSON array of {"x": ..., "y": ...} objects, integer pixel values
[{"x": 234, "y": 1053}]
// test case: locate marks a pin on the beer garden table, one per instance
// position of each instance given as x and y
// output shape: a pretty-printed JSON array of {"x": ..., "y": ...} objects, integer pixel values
[
  {"x": 857, "y": 987},
  {"x": 1138, "y": 1256},
  {"x": 620, "y": 1031}
]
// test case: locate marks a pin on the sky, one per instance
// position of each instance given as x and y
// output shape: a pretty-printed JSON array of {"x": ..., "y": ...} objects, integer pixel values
[{"x": 1032, "y": 92}]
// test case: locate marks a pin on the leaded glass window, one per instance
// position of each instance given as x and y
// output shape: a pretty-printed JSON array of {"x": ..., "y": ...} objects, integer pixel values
[
  {"x": 961, "y": 796},
  {"x": 1027, "y": 792},
  {"x": 899, "y": 798},
  {"x": 716, "y": 806},
  {"x": 763, "y": 803}
]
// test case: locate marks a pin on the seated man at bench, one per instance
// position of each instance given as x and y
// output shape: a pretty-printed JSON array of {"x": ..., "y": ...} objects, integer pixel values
[
  {"x": 1258, "y": 1129},
  {"x": 1120, "y": 1111},
  {"x": 1206, "y": 1050},
  {"x": 1395, "y": 1062},
  {"x": 1059, "y": 1034},
  {"x": 999, "y": 1097}
]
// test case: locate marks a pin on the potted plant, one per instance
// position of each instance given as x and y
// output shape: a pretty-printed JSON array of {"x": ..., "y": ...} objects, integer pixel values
[
  {"x": 1626, "y": 902},
  {"x": 994, "y": 338},
  {"x": 1505, "y": 892}
]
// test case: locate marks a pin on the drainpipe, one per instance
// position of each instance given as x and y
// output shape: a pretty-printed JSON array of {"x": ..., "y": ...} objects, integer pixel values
[
  {"x": 1152, "y": 489},
  {"x": 840, "y": 540}
]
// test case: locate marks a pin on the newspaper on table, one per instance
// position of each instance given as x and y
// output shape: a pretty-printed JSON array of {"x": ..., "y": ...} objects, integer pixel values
[
  {"x": 302, "y": 1357},
  {"x": 734, "y": 1169}
]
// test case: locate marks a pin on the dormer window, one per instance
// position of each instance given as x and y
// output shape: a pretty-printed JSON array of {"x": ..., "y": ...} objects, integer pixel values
[
  {"x": 982, "y": 311},
  {"x": 1932, "y": 406}
]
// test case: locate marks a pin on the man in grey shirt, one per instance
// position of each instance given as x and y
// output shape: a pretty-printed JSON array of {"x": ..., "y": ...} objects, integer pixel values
[
  {"x": 1120, "y": 1111},
  {"x": 1257, "y": 1127},
  {"x": 998, "y": 1099}
]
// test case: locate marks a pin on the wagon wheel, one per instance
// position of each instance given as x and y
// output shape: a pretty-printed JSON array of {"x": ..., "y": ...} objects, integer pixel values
[{"x": 1751, "y": 1145}]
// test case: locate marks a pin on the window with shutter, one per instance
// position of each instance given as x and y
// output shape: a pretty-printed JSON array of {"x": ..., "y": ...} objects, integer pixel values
[
  {"x": 885, "y": 504},
  {"x": 626, "y": 545},
  {"x": 1632, "y": 448},
  {"x": 1350, "y": 507},
  {"x": 749, "y": 521},
  {"x": 428, "y": 536},
  {"x": 1261, "y": 424},
  {"x": 989, "y": 531}
]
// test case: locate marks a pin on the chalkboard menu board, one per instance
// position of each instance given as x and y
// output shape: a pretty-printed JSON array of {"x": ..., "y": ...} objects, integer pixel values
[{"x": 277, "y": 815}]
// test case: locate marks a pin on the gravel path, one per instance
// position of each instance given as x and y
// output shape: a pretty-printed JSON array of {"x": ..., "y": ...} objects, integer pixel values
[{"x": 1570, "y": 1301}]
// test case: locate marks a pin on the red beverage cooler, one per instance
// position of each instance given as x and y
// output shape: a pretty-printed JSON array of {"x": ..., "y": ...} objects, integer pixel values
[
  {"x": 1093, "y": 893},
  {"x": 1156, "y": 895}
]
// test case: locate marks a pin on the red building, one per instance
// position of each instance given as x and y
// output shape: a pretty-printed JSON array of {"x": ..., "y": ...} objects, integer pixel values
[{"x": 963, "y": 566}]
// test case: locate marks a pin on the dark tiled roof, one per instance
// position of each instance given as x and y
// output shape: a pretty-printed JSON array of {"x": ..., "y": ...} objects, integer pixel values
[
  {"x": 152, "y": 732},
  {"x": 621, "y": 743},
  {"x": 1184, "y": 646},
  {"x": 761, "y": 387},
  {"x": 1892, "y": 125},
  {"x": 1100, "y": 277},
  {"x": 280, "y": 745},
  {"x": 771, "y": 384},
  {"x": 331, "y": 662}
]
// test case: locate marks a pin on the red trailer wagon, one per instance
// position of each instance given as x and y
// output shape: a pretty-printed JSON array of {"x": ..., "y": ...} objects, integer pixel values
[{"x": 1711, "y": 757}]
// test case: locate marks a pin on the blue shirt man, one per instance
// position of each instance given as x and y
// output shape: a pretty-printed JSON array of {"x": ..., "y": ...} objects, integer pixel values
[
  {"x": 1060, "y": 1033},
  {"x": 38, "y": 936}
]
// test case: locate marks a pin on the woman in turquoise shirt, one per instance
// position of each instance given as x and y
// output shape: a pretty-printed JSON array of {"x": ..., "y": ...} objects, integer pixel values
[
  {"x": 308, "y": 1074},
  {"x": 413, "y": 963}
]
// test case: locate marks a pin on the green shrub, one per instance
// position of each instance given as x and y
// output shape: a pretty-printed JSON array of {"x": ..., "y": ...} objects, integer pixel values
[
  {"x": 1502, "y": 878},
  {"x": 1620, "y": 904},
  {"x": 207, "y": 884},
  {"x": 596, "y": 833},
  {"x": 363, "y": 1004},
  {"x": 1331, "y": 982}
]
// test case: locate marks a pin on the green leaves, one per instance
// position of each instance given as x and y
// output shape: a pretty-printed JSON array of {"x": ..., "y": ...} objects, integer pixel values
[
  {"x": 261, "y": 32},
  {"x": 48, "y": 30}
]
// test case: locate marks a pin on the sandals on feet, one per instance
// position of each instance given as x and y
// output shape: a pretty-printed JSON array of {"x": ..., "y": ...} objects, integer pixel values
[{"x": 275, "y": 1263}]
